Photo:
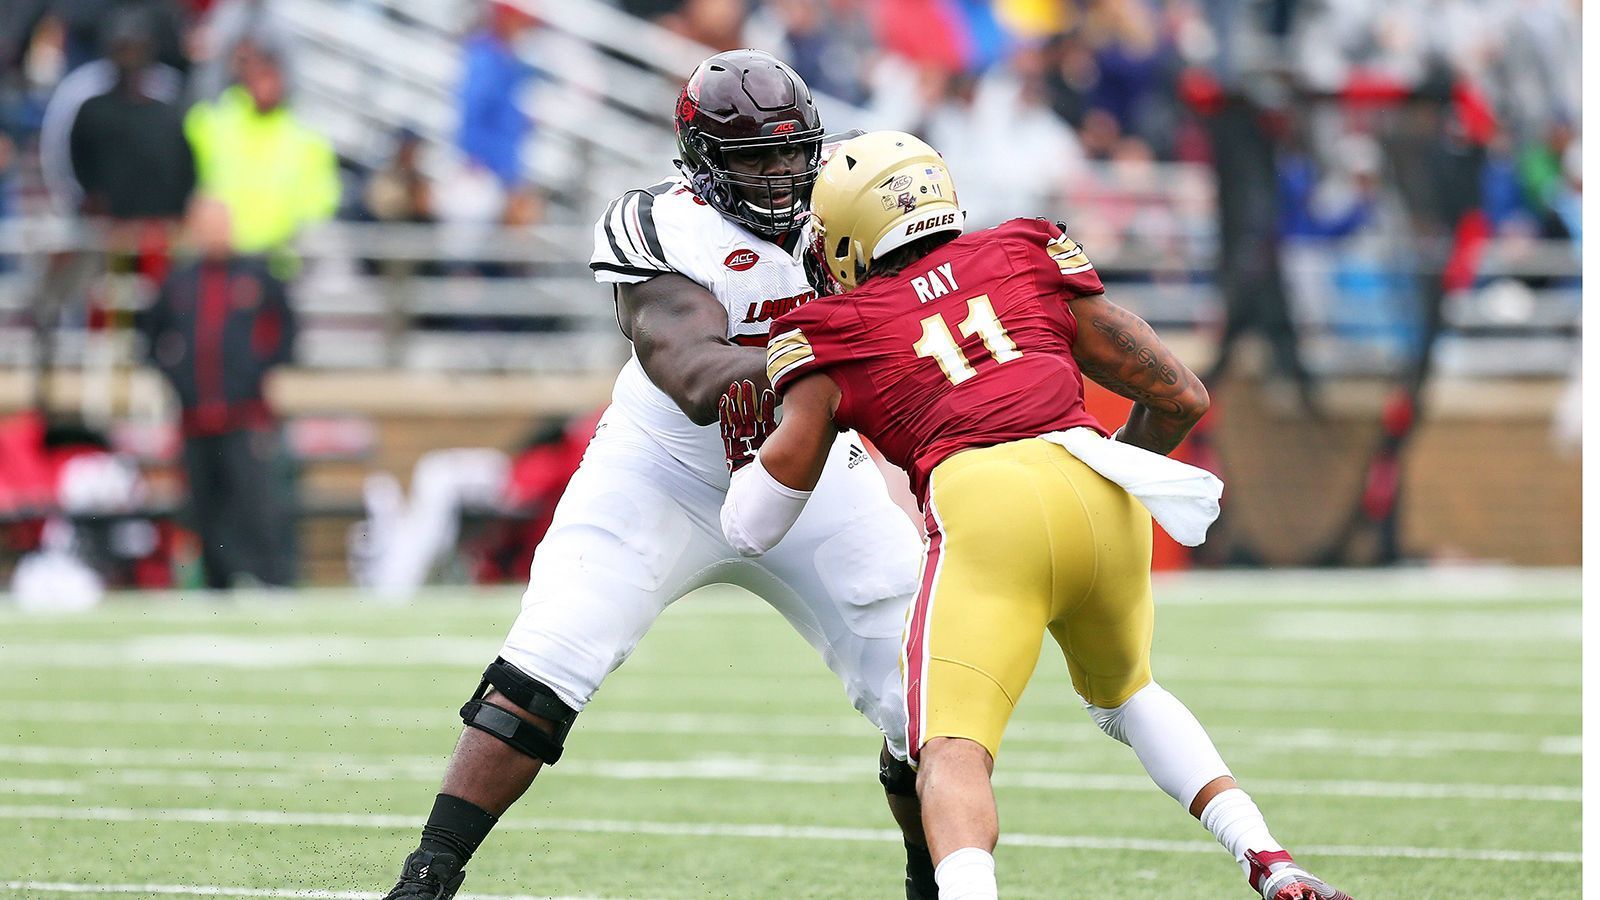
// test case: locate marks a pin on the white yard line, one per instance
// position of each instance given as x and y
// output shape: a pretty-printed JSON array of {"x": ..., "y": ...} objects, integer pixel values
[
  {"x": 769, "y": 770},
  {"x": 346, "y": 647},
  {"x": 1249, "y": 696},
  {"x": 1449, "y": 586},
  {"x": 274, "y": 818},
  {"x": 211, "y": 890},
  {"x": 1445, "y": 585},
  {"x": 35, "y": 754},
  {"x": 43, "y": 787},
  {"x": 1551, "y": 793},
  {"x": 1073, "y": 729}
]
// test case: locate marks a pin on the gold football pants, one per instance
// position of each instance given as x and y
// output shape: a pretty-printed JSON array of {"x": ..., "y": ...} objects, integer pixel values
[{"x": 1024, "y": 538}]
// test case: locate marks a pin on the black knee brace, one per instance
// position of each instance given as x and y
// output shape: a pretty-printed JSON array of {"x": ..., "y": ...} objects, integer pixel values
[
  {"x": 528, "y": 695},
  {"x": 896, "y": 776}
]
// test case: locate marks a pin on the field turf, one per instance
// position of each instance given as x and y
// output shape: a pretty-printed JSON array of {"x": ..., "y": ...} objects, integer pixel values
[{"x": 1411, "y": 735}]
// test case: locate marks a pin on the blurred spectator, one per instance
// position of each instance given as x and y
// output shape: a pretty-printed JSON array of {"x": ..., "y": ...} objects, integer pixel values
[
  {"x": 1034, "y": 20},
  {"x": 29, "y": 71},
  {"x": 1334, "y": 204},
  {"x": 1013, "y": 153},
  {"x": 73, "y": 508},
  {"x": 220, "y": 323},
  {"x": 83, "y": 22},
  {"x": 1249, "y": 263},
  {"x": 1070, "y": 76},
  {"x": 8, "y": 157},
  {"x": 128, "y": 150},
  {"x": 400, "y": 192},
  {"x": 1546, "y": 169},
  {"x": 1137, "y": 66},
  {"x": 539, "y": 473},
  {"x": 397, "y": 545},
  {"x": 488, "y": 189},
  {"x": 225, "y": 27},
  {"x": 718, "y": 24},
  {"x": 1503, "y": 198},
  {"x": 988, "y": 40},
  {"x": 19, "y": 21},
  {"x": 493, "y": 125},
  {"x": 927, "y": 32},
  {"x": 829, "y": 43},
  {"x": 402, "y": 538},
  {"x": 1239, "y": 93},
  {"x": 155, "y": 81},
  {"x": 274, "y": 175},
  {"x": 1537, "y": 68}
]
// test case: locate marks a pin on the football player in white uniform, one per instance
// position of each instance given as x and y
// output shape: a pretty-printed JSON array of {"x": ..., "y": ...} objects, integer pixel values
[{"x": 701, "y": 264}]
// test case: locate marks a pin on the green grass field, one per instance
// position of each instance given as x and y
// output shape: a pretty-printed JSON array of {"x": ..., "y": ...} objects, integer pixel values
[{"x": 1411, "y": 736}]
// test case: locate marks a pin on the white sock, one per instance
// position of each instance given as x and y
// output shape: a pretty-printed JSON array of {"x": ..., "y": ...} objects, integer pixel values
[
  {"x": 967, "y": 874},
  {"x": 1168, "y": 740},
  {"x": 1237, "y": 824}
]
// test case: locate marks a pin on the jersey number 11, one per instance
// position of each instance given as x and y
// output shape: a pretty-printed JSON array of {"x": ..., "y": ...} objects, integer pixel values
[{"x": 940, "y": 345}]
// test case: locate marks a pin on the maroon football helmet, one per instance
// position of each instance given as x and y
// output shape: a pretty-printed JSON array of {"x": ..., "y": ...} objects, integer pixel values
[{"x": 746, "y": 99}]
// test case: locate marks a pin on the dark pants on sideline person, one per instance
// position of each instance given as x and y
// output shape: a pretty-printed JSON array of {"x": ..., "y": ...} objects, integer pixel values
[{"x": 234, "y": 496}]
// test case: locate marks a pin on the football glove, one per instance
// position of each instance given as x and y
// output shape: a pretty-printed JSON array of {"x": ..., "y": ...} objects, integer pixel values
[{"x": 747, "y": 415}]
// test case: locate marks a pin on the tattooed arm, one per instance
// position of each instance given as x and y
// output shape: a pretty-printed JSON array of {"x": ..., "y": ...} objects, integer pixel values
[{"x": 1118, "y": 350}]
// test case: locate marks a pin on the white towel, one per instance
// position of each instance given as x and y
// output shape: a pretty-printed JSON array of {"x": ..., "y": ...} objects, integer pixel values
[{"x": 1181, "y": 497}]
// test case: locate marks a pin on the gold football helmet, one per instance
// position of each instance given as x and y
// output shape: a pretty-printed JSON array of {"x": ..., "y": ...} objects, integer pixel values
[{"x": 877, "y": 193}]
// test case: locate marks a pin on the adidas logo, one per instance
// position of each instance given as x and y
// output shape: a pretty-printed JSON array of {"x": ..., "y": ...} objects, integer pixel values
[{"x": 856, "y": 456}]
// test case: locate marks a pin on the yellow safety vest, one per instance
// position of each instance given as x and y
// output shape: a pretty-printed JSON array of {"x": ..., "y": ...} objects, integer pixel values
[{"x": 274, "y": 174}]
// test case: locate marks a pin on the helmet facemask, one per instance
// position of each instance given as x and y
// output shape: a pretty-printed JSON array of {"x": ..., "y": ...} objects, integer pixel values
[
  {"x": 746, "y": 100},
  {"x": 751, "y": 198}
]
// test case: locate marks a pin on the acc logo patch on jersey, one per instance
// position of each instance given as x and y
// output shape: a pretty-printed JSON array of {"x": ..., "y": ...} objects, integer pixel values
[{"x": 741, "y": 260}]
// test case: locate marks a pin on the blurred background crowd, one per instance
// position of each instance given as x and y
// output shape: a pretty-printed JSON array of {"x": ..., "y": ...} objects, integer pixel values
[
  {"x": 380, "y": 194},
  {"x": 1018, "y": 93}
]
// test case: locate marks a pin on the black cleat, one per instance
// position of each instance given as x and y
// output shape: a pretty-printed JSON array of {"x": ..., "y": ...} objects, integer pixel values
[{"x": 429, "y": 876}]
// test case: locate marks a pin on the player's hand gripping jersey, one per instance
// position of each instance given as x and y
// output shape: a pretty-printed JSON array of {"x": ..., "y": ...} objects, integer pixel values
[{"x": 970, "y": 346}]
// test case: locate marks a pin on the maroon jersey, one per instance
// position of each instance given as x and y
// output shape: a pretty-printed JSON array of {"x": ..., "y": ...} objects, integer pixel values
[{"x": 969, "y": 346}]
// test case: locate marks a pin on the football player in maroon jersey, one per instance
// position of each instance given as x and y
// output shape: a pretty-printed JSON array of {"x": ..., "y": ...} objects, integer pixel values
[{"x": 962, "y": 358}]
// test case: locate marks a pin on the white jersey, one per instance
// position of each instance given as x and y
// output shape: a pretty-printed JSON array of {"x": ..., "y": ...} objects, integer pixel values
[{"x": 666, "y": 228}]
